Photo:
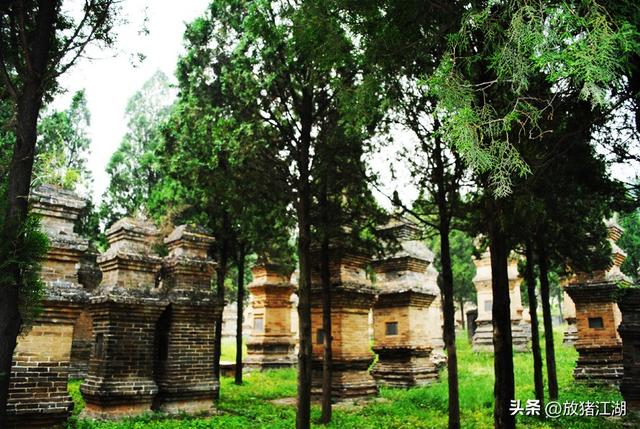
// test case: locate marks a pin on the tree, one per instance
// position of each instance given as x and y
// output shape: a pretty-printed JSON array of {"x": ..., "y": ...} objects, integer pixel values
[
  {"x": 462, "y": 266},
  {"x": 286, "y": 65},
  {"x": 630, "y": 243},
  {"x": 38, "y": 43},
  {"x": 133, "y": 168},
  {"x": 63, "y": 146}
]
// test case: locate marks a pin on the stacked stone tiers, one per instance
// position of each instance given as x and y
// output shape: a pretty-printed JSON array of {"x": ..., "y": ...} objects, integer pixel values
[
  {"x": 598, "y": 344},
  {"x": 121, "y": 381},
  {"x": 38, "y": 394},
  {"x": 597, "y": 314},
  {"x": 483, "y": 336},
  {"x": 404, "y": 357},
  {"x": 569, "y": 314},
  {"x": 271, "y": 344},
  {"x": 124, "y": 310},
  {"x": 403, "y": 319},
  {"x": 629, "y": 329},
  {"x": 352, "y": 296},
  {"x": 185, "y": 330}
]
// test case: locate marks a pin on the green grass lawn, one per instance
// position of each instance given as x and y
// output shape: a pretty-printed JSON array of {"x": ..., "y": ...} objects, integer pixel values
[{"x": 248, "y": 406}]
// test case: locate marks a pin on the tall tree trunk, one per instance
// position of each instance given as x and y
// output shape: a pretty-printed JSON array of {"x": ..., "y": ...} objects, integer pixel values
[
  {"x": 546, "y": 317},
  {"x": 535, "y": 333},
  {"x": 325, "y": 274},
  {"x": 449, "y": 311},
  {"x": 303, "y": 415},
  {"x": 240, "y": 300},
  {"x": 504, "y": 387},
  {"x": 10, "y": 322},
  {"x": 462, "y": 313},
  {"x": 17, "y": 198},
  {"x": 221, "y": 273}
]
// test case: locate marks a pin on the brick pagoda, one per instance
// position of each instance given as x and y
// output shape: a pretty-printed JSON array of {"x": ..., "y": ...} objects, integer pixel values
[
  {"x": 124, "y": 310},
  {"x": 38, "y": 396},
  {"x": 629, "y": 303},
  {"x": 185, "y": 330},
  {"x": 483, "y": 337},
  {"x": 352, "y": 296},
  {"x": 401, "y": 314},
  {"x": 597, "y": 318},
  {"x": 569, "y": 315},
  {"x": 271, "y": 344}
]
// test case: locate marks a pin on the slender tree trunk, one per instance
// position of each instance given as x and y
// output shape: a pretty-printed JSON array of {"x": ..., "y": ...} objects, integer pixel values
[
  {"x": 10, "y": 322},
  {"x": 559, "y": 297},
  {"x": 221, "y": 273},
  {"x": 325, "y": 273},
  {"x": 303, "y": 415},
  {"x": 240, "y": 299},
  {"x": 462, "y": 313},
  {"x": 546, "y": 316},
  {"x": 535, "y": 333},
  {"x": 449, "y": 311},
  {"x": 504, "y": 387},
  {"x": 18, "y": 185}
]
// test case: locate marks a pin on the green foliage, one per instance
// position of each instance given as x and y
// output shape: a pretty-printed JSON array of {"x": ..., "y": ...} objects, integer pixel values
[
  {"x": 26, "y": 259},
  {"x": 63, "y": 146},
  {"x": 630, "y": 243},
  {"x": 134, "y": 167},
  {"x": 462, "y": 266},
  {"x": 502, "y": 47},
  {"x": 423, "y": 407}
]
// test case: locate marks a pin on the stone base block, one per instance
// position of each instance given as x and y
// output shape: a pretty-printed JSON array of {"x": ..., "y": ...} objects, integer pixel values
[
  {"x": 117, "y": 399},
  {"x": 351, "y": 379},
  {"x": 38, "y": 396},
  {"x": 270, "y": 354},
  {"x": 601, "y": 365},
  {"x": 519, "y": 338},
  {"x": 483, "y": 337},
  {"x": 570, "y": 334},
  {"x": 404, "y": 367},
  {"x": 196, "y": 400}
]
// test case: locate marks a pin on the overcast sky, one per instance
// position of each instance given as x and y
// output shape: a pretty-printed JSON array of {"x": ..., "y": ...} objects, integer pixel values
[{"x": 110, "y": 78}]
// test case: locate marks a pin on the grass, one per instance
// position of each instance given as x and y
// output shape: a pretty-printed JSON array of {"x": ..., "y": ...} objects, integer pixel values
[{"x": 248, "y": 406}]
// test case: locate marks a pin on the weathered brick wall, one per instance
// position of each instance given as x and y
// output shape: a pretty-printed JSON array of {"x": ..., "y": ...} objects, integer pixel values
[
  {"x": 81, "y": 346},
  {"x": 599, "y": 345},
  {"x": 629, "y": 329},
  {"x": 38, "y": 396}
]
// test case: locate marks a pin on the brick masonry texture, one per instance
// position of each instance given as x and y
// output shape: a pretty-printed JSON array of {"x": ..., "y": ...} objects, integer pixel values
[
  {"x": 271, "y": 345},
  {"x": 352, "y": 295},
  {"x": 520, "y": 331},
  {"x": 38, "y": 395},
  {"x": 404, "y": 300},
  {"x": 629, "y": 303},
  {"x": 598, "y": 316}
]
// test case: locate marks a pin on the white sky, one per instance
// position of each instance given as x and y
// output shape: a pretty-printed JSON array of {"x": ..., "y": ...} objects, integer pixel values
[{"x": 111, "y": 78}]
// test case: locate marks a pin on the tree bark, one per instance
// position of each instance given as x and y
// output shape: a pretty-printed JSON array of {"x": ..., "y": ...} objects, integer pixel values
[
  {"x": 240, "y": 300},
  {"x": 327, "y": 374},
  {"x": 535, "y": 333},
  {"x": 546, "y": 317},
  {"x": 29, "y": 103},
  {"x": 449, "y": 311},
  {"x": 462, "y": 313},
  {"x": 10, "y": 322},
  {"x": 303, "y": 414},
  {"x": 504, "y": 387}
]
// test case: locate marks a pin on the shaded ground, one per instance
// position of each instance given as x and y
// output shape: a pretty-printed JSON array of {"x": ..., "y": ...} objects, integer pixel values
[{"x": 251, "y": 405}]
